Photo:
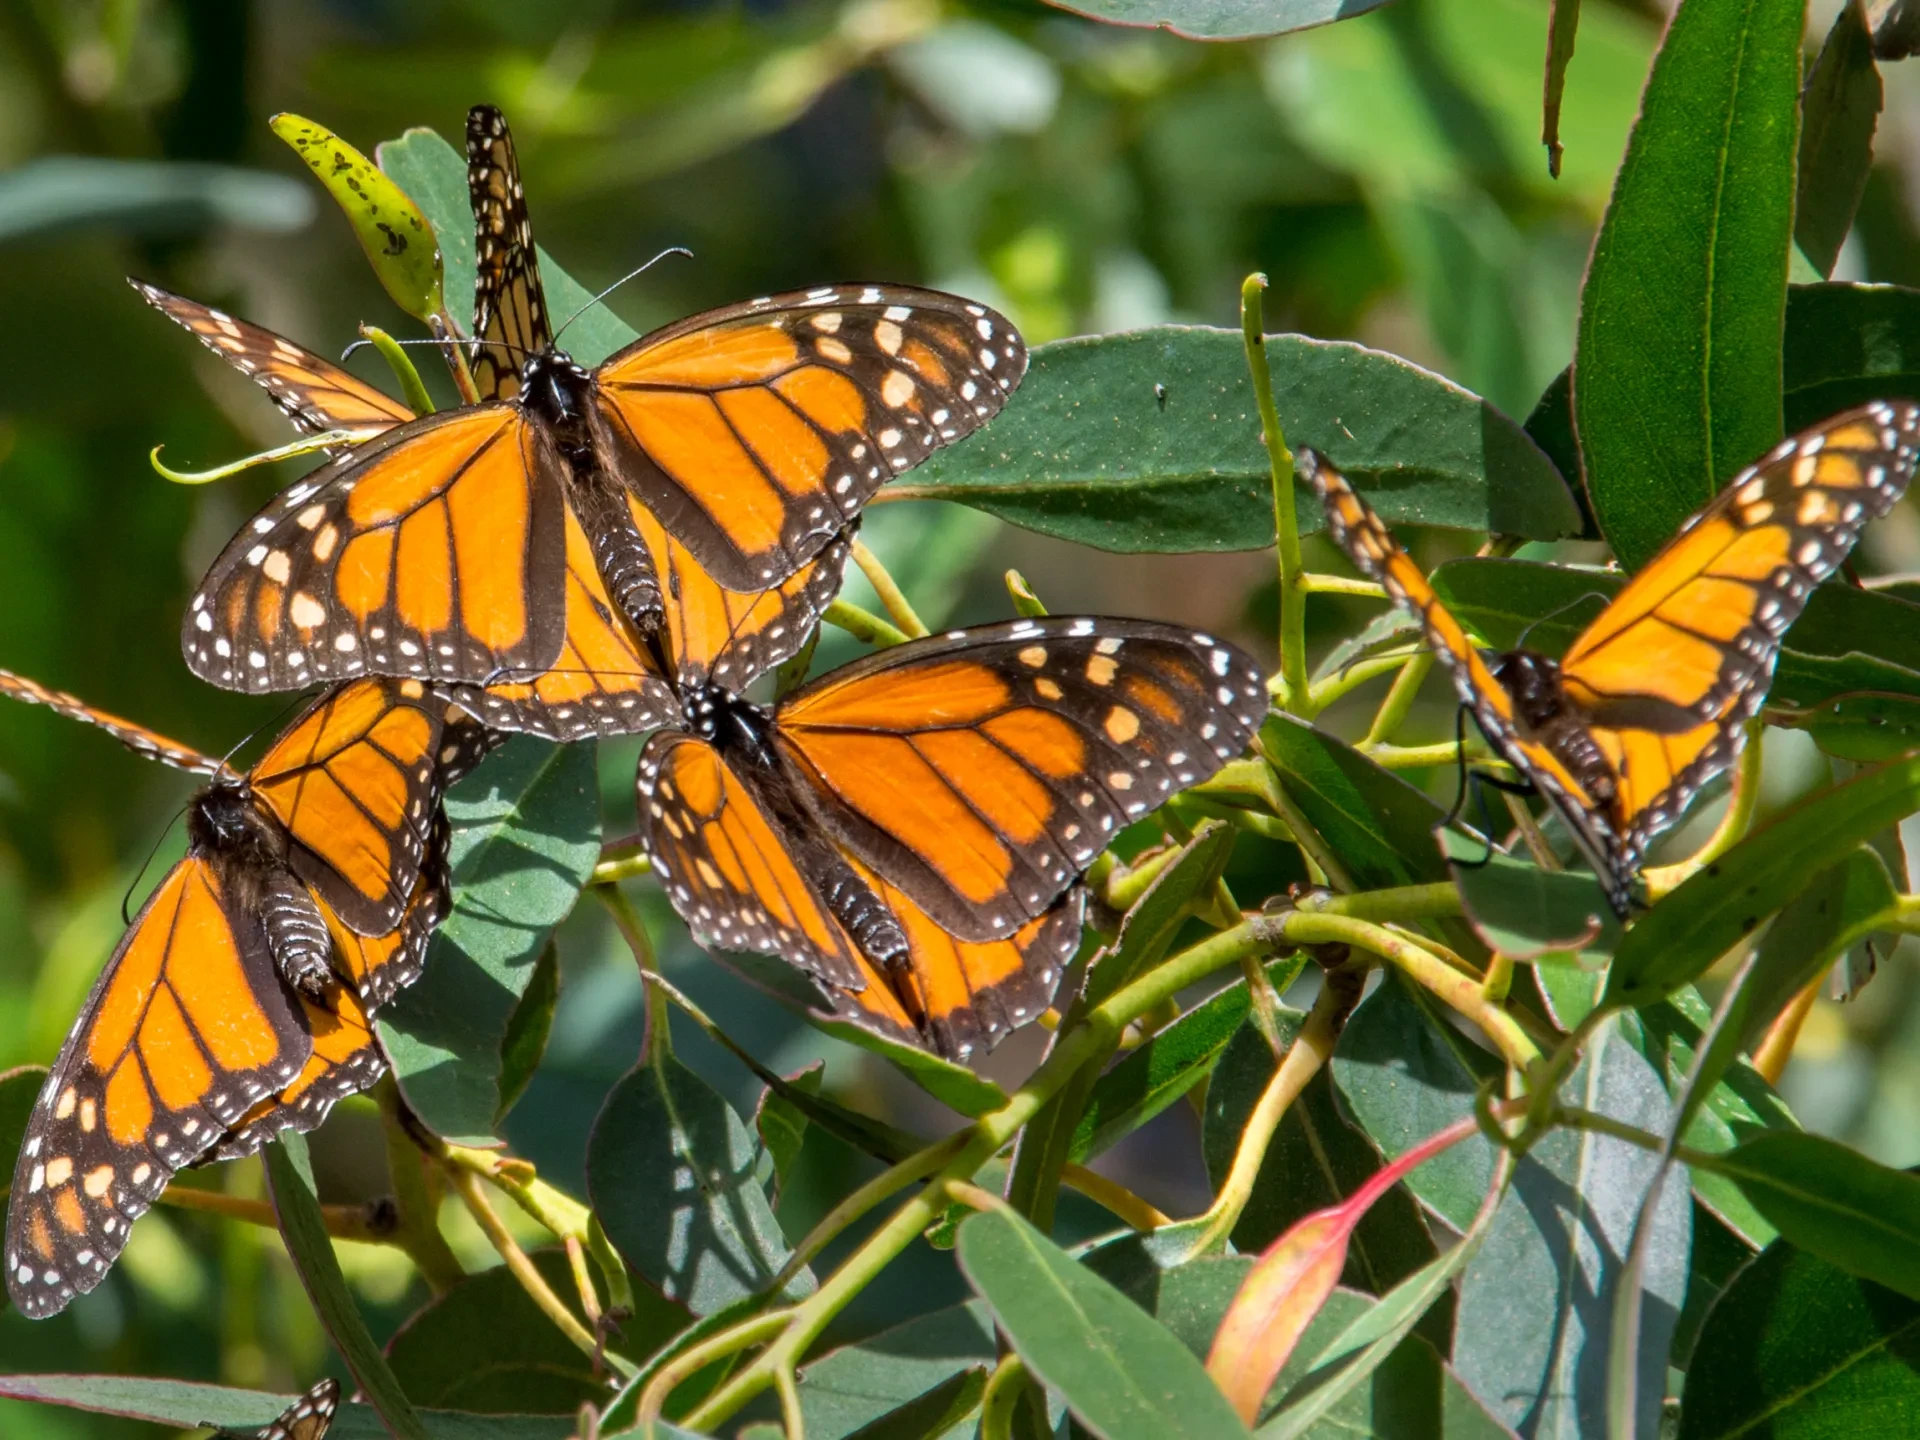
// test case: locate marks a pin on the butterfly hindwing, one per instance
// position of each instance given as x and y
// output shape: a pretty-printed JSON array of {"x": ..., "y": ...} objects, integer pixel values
[
  {"x": 309, "y": 1417},
  {"x": 756, "y": 432},
  {"x": 982, "y": 771},
  {"x": 187, "y": 1027}
]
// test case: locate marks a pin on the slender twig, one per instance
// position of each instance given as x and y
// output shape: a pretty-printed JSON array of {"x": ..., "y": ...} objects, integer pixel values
[
  {"x": 1732, "y": 828},
  {"x": 344, "y": 1222},
  {"x": 1351, "y": 677},
  {"x": 418, "y": 1225},
  {"x": 888, "y": 589},
  {"x": 882, "y": 1187},
  {"x": 466, "y": 1185},
  {"x": 1393, "y": 710},
  {"x": 1286, "y": 521},
  {"x": 1115, "y": 1197},
  {"x": 998, "y": 1401},
  {"x": 1315, "y": 584}
]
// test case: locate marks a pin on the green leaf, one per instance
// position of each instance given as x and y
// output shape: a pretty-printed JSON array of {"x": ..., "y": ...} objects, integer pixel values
[
  {"x": 1832, "y": 1201},
  {"x": 398, "y": 241},
  {"x": 435, "y": 175},
  {"x": 1536, "y": 1304},
  {"x": 527, "y": 1030},
  {"x": 526, "y": 834},
  {"x": 185, "y": 1405},
  {"x": 1839, "y": 109},
  {"x": 1797, "y": 1347},
  {"x": 1379, "y": 826},
  {"x": 59, "y": 194},
  {"x": 1406, "y": 1074},
  {"x": 295, "y": 1203},
  {"x": 862, "y": 1384},
  {"x": 674, "y": 1176},
  {"x": 782, "y": 1125},
  {"x": 933, "y": 1415},
  {"x": 1676, "y": 379},
  {"x": 1154, "y": 1075},
  {"x": 1865, "y": 728},
  {"x": 1088, "y": 450},
  {"x": 1316, "y": 1159},
  {"x": 1219, "y": 19},
  {"x": 1848, "y": 344},
  {"x": 1715, "y": 908},
  {"x": 1526, "y": 913},
  {"x": 1114, "y": 1366},
  {"x": 484, "y": 1346}
]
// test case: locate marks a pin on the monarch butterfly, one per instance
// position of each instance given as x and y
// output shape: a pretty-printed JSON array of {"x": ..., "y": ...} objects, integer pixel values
[
  {"x": 1650, "y": 701},
  {"x": 451, "y": 547},
  {"x": 910, "y": 829},
  {"x": 606, "y": 679},
  {"x": 309, "y": 1418},
  {"x": 236, "y": 1004}
]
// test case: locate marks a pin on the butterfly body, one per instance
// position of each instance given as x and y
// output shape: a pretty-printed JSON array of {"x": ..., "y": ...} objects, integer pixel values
[{"x": 1650, "y": 701}]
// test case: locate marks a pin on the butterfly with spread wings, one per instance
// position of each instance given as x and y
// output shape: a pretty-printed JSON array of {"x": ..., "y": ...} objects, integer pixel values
[
  {"x": 452, "y": 547},
  {"x": 236, "y": 1004},
  {"x": 309, "y": 1417},
  {"x": 1651, "y": 700},
  {"x": 607, "y": 678},
  {"x": 910, "y": 829}
]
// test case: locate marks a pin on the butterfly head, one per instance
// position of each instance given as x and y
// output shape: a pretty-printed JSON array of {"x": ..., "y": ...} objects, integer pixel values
[
  {"x": 223, "y": 820},
  {"x": 555, "y": 388},
  {"x": 725, "y": 720}
]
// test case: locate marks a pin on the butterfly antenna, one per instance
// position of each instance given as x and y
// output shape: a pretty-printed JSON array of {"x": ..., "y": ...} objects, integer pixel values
[
  {"x": 1521, "y": 642},
  {"x": 670, "y": 250},
  {"x": 126, "y": 899}
]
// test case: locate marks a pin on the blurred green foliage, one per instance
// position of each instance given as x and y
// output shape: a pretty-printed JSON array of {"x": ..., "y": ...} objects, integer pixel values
[{"x": 1386, "y": 173}]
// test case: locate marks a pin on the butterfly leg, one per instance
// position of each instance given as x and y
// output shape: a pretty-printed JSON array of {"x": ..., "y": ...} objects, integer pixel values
[
  {"x": 297, "y": 935},
  {"x": 620, "y": 552}
]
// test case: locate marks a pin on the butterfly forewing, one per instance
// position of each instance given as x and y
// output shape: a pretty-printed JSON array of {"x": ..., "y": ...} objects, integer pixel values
[
  {"x": 316, "y": 394},
  {"x": 756, "y": 432},
  {"x": 187, "y": 1027},
  {"x": 307, "y": 1418},
  {"x": 1700, "y": 625},
  {"x": 149, "y": 744},
  {"x": 982, "y": 771},
  {"x": 510, "y": 321},
  {"x": 433, "y": 551}
]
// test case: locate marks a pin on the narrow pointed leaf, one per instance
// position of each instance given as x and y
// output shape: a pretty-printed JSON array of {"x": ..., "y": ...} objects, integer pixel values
[{"x": 1840, "y": 110}]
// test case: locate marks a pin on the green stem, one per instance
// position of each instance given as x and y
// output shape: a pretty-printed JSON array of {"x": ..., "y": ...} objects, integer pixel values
[
  {"x": 411, "y": 389},
  {"x": 1286, "y": 521},
  {"x": 985, "y": 1138},
  {"x": 1399, "y": 905},
  {"x": 1001, "y": 1398},
  {"x": 863, "y": 624},
  {"x": 1342, "y": 585},
  {"x": 889, "y": 591},
  {"x": 418, "y": 1232},
  {"x": 1352, "y": 677}
]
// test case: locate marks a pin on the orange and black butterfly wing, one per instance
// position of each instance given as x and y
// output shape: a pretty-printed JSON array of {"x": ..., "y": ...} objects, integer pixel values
[
  {"x": 354, "y": 782},
  {"x": 510, "y": 322},
  {"x": 1373, "y": 549},
  {"x": 316, "y": 394},
  {"x": 729, "y": 864},
  {"x": 982, "y": 771},
  {"x": 726, "y": 638},
  {"x": 756, "y": 432},
  {"x": 149, "y": 744},
  {"x": 955, "y": 997},
  {"x": 1698, "y": 627},
  {"x": 435, "y": 550},
  {"x": 308, "y": 1418},
  {"x": 188, "y": 1026}
]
